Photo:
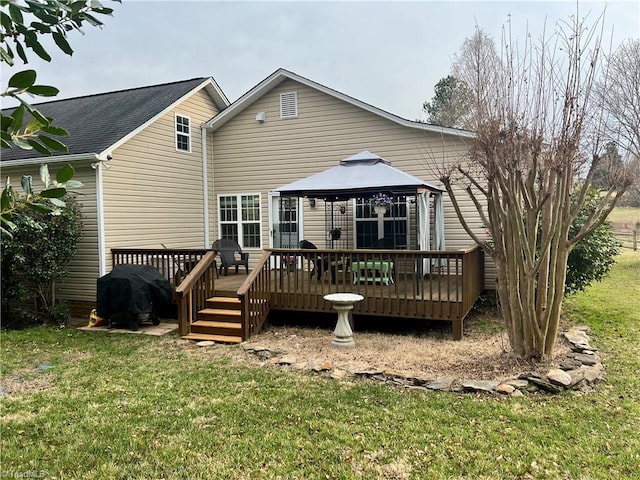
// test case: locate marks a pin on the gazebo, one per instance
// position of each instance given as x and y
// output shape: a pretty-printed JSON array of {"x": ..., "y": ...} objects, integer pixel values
[{"x": 365, "y": 176}]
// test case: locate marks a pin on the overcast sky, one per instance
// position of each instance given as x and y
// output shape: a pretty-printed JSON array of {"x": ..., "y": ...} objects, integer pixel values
[{"x": 389, "y": 54}]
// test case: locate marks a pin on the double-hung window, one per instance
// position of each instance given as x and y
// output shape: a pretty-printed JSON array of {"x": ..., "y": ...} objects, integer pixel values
[
  {"x": 240, "y": 219},
  {"x": 392, "y": 226},
  {"x": 183, "y": 133}
]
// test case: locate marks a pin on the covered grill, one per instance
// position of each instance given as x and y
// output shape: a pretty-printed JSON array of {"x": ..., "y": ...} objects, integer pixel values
[{"x": 130, "y": 292}]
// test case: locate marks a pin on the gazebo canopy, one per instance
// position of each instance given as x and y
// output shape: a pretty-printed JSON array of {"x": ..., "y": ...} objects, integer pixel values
[{"x": 360, "y": 175}]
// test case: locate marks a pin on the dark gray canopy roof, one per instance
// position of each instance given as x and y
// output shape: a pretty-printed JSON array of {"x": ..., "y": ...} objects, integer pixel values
[{"x": 360, "y": 175}]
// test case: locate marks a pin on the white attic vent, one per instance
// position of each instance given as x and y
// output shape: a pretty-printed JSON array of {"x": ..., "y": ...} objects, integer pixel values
[{"x": 289, "y": 105}]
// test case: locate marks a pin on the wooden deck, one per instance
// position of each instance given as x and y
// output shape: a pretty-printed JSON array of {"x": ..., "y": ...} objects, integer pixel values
[{"x": 410, "y": 284}]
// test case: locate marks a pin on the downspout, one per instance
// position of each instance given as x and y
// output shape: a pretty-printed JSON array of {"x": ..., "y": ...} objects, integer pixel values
[
  {"x": 102, "y": 249},
  {"x": 205, "y": 186}
]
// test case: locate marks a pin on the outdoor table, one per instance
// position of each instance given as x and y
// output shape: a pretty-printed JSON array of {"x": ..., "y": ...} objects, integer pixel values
[{"x": 372, "y": 271}]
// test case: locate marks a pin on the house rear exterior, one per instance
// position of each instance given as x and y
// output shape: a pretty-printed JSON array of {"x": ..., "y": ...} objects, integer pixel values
[{"x": 155, "y": 180}]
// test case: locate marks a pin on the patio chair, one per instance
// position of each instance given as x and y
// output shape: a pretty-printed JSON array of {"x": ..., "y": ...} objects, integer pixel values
[
  {"x": 320, "y": 264},
  {"x": 231, "y": 255}
]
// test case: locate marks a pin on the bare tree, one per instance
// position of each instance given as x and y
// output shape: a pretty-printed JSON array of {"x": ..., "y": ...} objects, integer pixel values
[
  {"x": 478, "y": 67},
  {"x": 619, "y": 95},
  {"x": 538, "y": 142}
]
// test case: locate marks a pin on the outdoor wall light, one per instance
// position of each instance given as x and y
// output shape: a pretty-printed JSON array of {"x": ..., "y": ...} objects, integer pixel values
[{"x": 312, "y": 202}]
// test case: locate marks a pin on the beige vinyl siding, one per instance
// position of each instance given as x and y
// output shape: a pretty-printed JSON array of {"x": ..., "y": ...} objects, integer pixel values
[
  {"x": 153, "y": 194},
  {"x": 80, "y": 284},
  {"x": 249, "y": 156}
]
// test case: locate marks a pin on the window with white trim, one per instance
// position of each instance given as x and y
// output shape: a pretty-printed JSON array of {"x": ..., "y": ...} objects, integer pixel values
[
  {"x": 183, "y": 133},
  {"x": 289, "y": 105},
  {"x": 393, "y": 226},
  {"x": 239, "y": 216}
]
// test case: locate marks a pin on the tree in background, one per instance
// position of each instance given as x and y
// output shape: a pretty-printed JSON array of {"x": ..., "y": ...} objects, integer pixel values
[
  {"x": 538, "y": 139},
  {"x": 619, "y": 97},
  {"x": 451, "y": 104}
]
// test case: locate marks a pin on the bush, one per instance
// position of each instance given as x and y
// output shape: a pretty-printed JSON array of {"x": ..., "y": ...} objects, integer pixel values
[
  {"x": 592, "y": 258},
  {"x": 33, "y": 260}
]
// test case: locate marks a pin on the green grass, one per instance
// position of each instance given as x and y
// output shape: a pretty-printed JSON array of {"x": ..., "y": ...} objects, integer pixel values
[
  {"x": 624, "y": 218},
  {"x": 129, "y": 406}
]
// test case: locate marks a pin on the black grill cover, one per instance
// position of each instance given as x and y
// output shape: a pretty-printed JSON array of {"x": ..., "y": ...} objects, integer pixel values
[{"x": 133, "y": 289}]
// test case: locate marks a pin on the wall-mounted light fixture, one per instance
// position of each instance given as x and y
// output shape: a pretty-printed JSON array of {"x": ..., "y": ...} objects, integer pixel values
[{"x": 312, "y": 202}]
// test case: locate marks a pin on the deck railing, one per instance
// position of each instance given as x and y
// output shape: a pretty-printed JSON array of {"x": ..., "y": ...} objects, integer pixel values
[
  {"x": 174, "y": 264},
  {"x": 437, "y": 285},
  {"x": 194, "y": 290},
  {"x": 255, "y": 296}
]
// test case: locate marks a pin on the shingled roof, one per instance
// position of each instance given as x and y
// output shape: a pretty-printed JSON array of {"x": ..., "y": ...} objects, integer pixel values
[{"x": 96, "y": 122}]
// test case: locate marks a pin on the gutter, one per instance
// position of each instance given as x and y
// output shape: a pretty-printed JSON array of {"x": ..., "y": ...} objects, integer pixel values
[{"x": 57, "y": 159}]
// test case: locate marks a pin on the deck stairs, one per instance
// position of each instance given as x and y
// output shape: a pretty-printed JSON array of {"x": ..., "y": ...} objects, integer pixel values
[{"x": 221, "y": 321}]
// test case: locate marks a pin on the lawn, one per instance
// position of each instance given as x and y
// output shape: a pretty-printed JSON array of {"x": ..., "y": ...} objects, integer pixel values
[
  {"x": 625, "y": 218},
  {"x": 135, "y": 407}
]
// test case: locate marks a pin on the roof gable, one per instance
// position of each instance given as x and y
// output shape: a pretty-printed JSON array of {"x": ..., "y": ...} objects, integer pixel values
[
  {"x": 279, "y": 76},
  {"x": 97, "y": 123}
]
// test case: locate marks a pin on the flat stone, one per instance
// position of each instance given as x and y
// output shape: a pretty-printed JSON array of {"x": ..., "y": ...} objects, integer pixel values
[
  {"x": 586, "y": 359},
  {"x": 577, "y": 376},
  {"x": 559, "y": 377},
  {"x": 205, "y": 343},
  {"x": 339, "y": 374},
  {"x": 517, "y": 393},
  {"x": 393, "y": 373},
  {"x": 480, "y": 385},
  {"x": 287, "y": 360},
  {"x": 593, "y": 373},
  {"x": 320, "y": 365},
  {"x": 518, "y": 383},
  {"x": 421, "y": 381},
  {"x": 576, "y": 337},
  {"x": 505, "y": 389},
  {"x": 442, "y": 383},
  {"x": 369, "y": 372},
  {"x": 257, "y": 348},
  {"x": 570, "y": 364},
  {"x": 549, "y": 387}
]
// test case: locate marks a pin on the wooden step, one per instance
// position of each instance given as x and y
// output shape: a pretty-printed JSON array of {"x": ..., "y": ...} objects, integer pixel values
[
  {"x": 213, "y": 338},
  {"x": 224, "y": 303},
  {"x": 220, "y": 315},
  {"x": 229, "y": 329}
]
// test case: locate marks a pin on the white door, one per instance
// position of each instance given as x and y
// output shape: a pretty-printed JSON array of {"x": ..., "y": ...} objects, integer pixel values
[{"x": 285, "y": 216}]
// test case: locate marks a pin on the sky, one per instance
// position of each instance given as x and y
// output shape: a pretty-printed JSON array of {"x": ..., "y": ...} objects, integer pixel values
[{"x": 388, "y": 54}]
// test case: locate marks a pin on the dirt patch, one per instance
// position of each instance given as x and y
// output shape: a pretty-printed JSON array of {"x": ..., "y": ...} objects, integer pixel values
[
  {"x": 26, "y": 381},
  {"x": 483, "y": 354}
]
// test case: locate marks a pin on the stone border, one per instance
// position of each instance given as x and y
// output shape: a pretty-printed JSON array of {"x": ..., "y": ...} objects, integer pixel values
[{"x": 579, "y": 371}]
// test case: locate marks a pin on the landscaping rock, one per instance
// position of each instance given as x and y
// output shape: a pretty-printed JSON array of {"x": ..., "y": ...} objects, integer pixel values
[
  {"x": 545, "y": 385},
  {"x": 518, "y": 382},
  {"x": 586, "y": 359},
  {"x": 205, "y": 343},
  {"x": 421, "y": 381},
  {"x": 339, "y": 374},
  {"x": 442, "y": 383},
  {"x": 319, "y": 365},
  {"x": 577, "y": 337},
  {"x": 517, "y": 393},
  {"x": 287, "y": 360},
  {"x": 570, "y": 364},
  {"x": 480, "y": 385},
  {"x": 369, "y": 372},
  {"x": 505, "y": 389},
  {"x": 559, "y": 377}
]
